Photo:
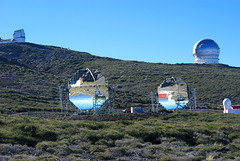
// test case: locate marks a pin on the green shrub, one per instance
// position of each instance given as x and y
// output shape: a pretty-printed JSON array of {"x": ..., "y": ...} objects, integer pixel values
[
  {"x": 234, "y": 135},
  {"x": 136, "y": 131},
  {"x": 103, "y": 156},
  {"x": 91, "y": 125},
  {"x": 117, "y": 152},
  {"x": 2, "y": 136},
  {"x": 47, "y": 135},
  {"x": 124, "y": 122},
  {"x": 165, "y": 159},
  {"x": 147, "y": 135},
  {"x": 26, "y": 129},
  {"x": 181, "y": 134},
  {"x": 98, "y": 148},
  {"x": 136, "y": 145},
  {"x": 150, "y": 156},
  {"x": 47, "y": 158},
  {"x": 74, "y": 155},
  {"x": 153, "y": 148},
  {"x": 78, "y": 138},
  {"x": 45, "y": 145},
  {"x": 111, "y": 134},
  {"x": 22, "y": 139},
  {"x": 233, "y": 147},
  {"x": 197, "y": 158},
  {"x": 104, "y": 142},
  {"x": 1, "y": 123}
]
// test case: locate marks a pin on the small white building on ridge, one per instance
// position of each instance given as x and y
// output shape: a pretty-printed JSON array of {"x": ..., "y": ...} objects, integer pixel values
[
  {"x": 229, "y": 108},
  {"x": 18, "y": 36}
]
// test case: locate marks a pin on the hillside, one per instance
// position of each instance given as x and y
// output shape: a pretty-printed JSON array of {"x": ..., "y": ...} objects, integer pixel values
[{"x": 30, "y": 75}]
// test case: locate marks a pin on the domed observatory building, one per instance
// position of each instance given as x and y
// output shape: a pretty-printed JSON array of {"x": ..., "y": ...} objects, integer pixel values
[{"x": 206, "y": 51}]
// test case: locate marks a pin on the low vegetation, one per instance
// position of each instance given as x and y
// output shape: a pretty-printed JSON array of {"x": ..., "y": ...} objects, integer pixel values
[{"x": 175, "y": 136}]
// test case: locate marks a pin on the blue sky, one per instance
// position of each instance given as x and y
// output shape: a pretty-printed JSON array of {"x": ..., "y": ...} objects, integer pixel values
[{"x": 159, "y": 31}]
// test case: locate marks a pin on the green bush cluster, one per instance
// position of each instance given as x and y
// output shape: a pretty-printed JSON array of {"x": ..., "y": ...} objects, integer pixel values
[{"x": 173, "y": 136}]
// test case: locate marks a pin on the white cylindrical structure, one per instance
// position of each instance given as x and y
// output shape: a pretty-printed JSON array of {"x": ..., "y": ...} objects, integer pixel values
[
  {"x": 227, "y": 105},
  {"x": 206, "y": 51},
  {"x": 132, "y": 110}
]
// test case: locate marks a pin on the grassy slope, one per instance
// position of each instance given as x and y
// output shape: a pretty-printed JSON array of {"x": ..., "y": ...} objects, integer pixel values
[
  {"x": 24, "y": 89},
  {"x": 212, "y": 83},
  {"x": 182, "y": 135},
  {"x": 35, "y": 71}
]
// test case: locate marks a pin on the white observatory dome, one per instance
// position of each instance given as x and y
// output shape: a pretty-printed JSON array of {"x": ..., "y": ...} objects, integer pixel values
[{"x": 206, "y": 51}]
